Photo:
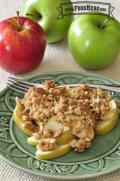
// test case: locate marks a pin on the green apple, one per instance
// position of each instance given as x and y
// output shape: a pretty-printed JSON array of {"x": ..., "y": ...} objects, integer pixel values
[
  {"x": 45, "y": 12},
  {"x": 94, "y": 40}
]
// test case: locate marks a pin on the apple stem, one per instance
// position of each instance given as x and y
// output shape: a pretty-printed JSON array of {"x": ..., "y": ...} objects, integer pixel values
[
  {"x": 18, "y": 20},
  {"x": 104, "y": 23}
]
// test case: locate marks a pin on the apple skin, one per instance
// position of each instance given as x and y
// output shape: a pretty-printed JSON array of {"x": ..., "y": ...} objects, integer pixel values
[
  {"x": 91, "y": 46},
  {"x": 56, "y": 29},
  {"x": 21, "y": 48}
]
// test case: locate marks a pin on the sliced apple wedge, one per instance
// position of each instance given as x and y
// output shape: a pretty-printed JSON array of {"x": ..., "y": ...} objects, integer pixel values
[
  {"x": 65, "y": 137},
  {"x": 18, "y": 120},
  {"x": 54, "y": 125},
  {"x": 59, "y": 151},
  {"x": 109, "y": 120},
  {"x": 33, "y": 140}
]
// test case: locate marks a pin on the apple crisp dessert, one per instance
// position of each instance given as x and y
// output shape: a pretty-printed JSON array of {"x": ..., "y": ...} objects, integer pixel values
[{"x": 61, "y": 118}]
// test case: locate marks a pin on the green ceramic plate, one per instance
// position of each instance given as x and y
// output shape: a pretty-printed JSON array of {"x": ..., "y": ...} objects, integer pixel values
[{"x": 103, "y": 157}]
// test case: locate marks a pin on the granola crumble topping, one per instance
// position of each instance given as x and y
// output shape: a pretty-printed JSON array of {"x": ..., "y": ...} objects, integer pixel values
[
  {"x": 47, "y": 144},
  {"x": 77, "y": 109}
]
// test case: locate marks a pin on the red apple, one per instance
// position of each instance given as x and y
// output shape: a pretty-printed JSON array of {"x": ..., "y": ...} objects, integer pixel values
[{"x": 22, "y": 44}]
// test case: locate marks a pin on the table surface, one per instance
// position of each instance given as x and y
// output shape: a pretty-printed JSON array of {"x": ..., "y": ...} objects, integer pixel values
[{"x": 57, "y": 58}]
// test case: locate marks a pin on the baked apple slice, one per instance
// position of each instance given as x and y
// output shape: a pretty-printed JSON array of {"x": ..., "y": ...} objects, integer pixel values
[
  {"x": 33, "y": 140},
  {"x": 59, "y": 151},
  {"x": 65, "y": 137},
  {"x": 17, "y": 116},
  {"x": 109, "y": 120}
]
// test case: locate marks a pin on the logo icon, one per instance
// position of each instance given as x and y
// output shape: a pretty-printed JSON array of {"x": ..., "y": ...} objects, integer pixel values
[{"x": 83, "y": 7}]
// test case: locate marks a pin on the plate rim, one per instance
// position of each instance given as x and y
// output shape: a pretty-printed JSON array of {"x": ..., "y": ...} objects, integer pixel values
[
  {"x": 60, "y": 176},
  {"x": 88, "y": 73}
]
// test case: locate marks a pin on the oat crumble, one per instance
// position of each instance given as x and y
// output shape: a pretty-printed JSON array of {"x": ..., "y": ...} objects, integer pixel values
[{"x": 83, "y": 104}]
